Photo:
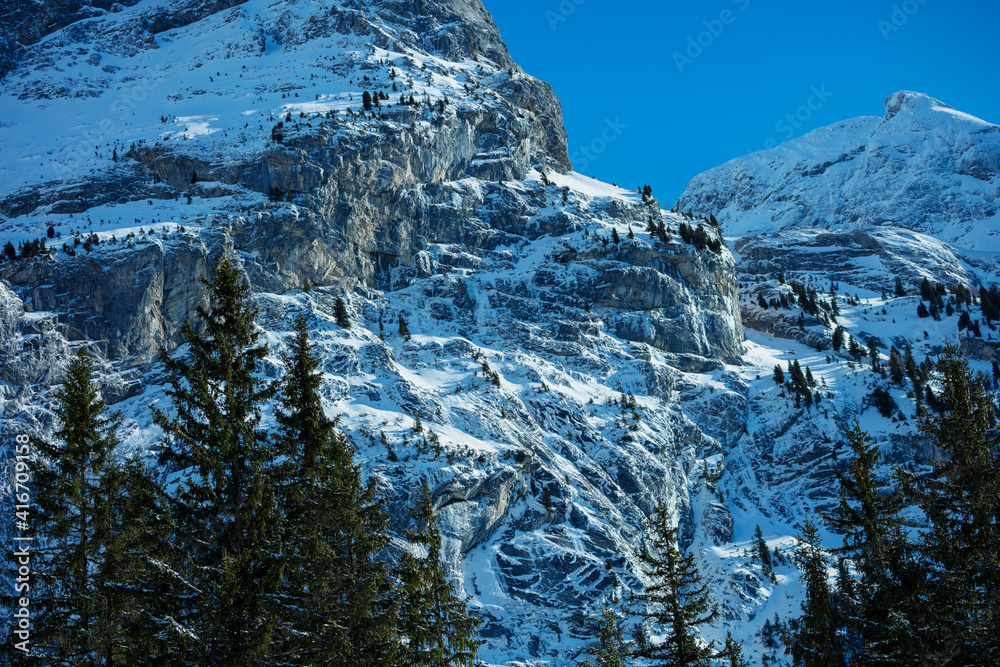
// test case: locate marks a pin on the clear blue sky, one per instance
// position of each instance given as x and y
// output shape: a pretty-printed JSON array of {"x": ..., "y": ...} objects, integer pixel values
[{"x": 634, "y": 72}]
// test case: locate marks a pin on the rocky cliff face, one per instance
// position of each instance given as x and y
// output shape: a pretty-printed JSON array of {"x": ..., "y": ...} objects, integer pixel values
[{"x": 451, "y": 203}]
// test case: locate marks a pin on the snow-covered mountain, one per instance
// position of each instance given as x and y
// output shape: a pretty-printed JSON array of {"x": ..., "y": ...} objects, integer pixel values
[
  {"x": 154, "y": 136},
  {"x": 844, "y": 211},
  {"x": 153, "y": 139},
  {"x": 924, "y": 166}
]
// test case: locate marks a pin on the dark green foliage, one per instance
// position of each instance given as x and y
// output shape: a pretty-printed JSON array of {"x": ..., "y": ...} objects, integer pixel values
[
  {"x": 614, "y": 236},
  {"x": 926, "y": 290},
  {"x": 340, "y": 313},
  {"x": 9, "y": 252},
  {"x": 434, "y": 621},
  {"x": 961, "y": 551},
  {"x": 815, "y": 641},
  {"x": 873, "y": 355},
  {"x": 335, "y": 597},
  {"x": 612, "y": 650},
  {"x": 779, "y": 375},
  {"x": 874, "y": 609},
  {"x": 896, "y": 369},
  {"x": 761, "y": 302},
  {"x": 366, "y": 100},
  {"x": 882, "y": 401},
  {"x": 226, "y": 513},
  {"x": 922, "y": 310},
  {"x": 899, "y": 289},
  {"x": 732, "y": 653},
  {"x": 404, "y": 331},
  {"x": 676, "y": 602},
  {"x": 855, "y": 349},
  {"x": 76, "y": 495},
  {"x": 700, "y": 238},
  {"x": 989, "y": 302},
  {"x": 800, "y": 382},
  {"x": 761, "y": 550},
  {"x": 838, "y": 338}
]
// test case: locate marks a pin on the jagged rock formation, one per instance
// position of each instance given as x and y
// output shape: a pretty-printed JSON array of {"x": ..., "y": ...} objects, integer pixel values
[{"x": 533, "y": 331}]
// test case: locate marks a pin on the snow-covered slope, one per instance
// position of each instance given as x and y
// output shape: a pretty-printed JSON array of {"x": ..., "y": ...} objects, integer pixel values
[
  {"x": 924, "y": 166},
  {"x": 155, "y": 138},
  {"x": 844, "y": 211}
]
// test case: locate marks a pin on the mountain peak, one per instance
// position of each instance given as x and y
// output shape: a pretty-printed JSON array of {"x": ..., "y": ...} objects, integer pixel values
[
  {"x": 916, "y": 103},
  {"x": 926, "y": 166}
]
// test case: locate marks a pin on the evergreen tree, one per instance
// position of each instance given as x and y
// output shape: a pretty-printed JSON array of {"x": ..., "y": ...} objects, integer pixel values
[
  {"x": 875, "y": 540},
  {"x": 927, "y": 290},
  {"x": 366, "y": 100},
  {"x": 340, "y": 313},
  {"x": 779, "y": 375},
  {"x": 873, "y": 355},
  {"x": 225, "y": 508},
  {"x": 760, "y": 547},
  {"x": 896, "y": 370},
  {"x": 732, "y": 653},
  {"x": 75, "y": 625},
  {"x": 9, "y": 252},
  {"x": 815, "y": 642},
  {"x": 838, "y": 338},
  {"x": 900, "y": 290},
  {"x": 612, "y": 650},
  {"x": 676, "y": 600},
  {"x": 614, "y": 236},
  {"x": 336, "y": 593},
  {"x": 404, "y": 331},
  {"x": 434, "y": 622},
  {"x": 962, "y": 548}
]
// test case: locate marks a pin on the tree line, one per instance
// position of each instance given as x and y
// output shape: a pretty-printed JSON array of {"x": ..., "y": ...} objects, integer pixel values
[
  {"x": 906, "y": 596},
  {"x": 240, "y": 548}
]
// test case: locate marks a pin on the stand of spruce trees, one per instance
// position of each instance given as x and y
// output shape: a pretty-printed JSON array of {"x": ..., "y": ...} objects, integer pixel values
[
  {"x": 243, "y": 548},
  {"x": 918, "y": 597}
]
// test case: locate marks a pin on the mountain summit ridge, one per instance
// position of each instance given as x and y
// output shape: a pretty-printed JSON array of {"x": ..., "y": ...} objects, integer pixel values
[{"x": 923, "y": 166}]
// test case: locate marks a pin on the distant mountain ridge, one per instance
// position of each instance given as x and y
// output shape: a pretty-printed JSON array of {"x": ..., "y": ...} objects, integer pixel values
[{"x": 923, "y": 166}]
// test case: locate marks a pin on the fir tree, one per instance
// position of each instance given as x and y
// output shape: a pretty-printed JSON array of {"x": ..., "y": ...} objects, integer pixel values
[
  {"x": 900, "y": 290},
  {"x": 77, "y": 517},
  {"x": 340, "y": 313},
  {"x": 404, "y": 331},
  {"x": 876, "y": 615},
  {"x": 896, "y": 370},
  {"x": 335, "y": 597},
  {"x": 226, "y": 509},
  {"x": 366, "y": 100},
  {"x": 732, "y": 653},
  {"x": 779, "y": 375},
  {"x": 815, "y": 642},
  {"x": 676, "y": 600},
  {"x": 612, "y": 650},
  {"x": 760, "y": 547},
  {"x": 614, "y": 236},
  {"x": 962, "y": 548},
  {"x": 838, "y": 338},
  {"x": 434, "y": 622}
]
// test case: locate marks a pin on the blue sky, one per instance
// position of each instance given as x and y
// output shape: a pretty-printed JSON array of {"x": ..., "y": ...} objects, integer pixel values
[{"x": 657, "y": 92}]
